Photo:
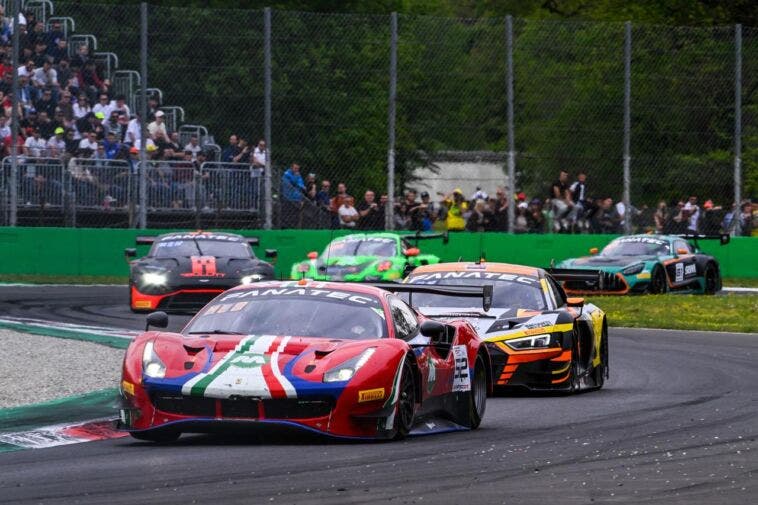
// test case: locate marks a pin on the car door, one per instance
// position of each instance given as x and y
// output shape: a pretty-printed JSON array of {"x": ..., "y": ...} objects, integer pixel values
[
  {"x": 682, "y": 270},
  {"x": 435, "y": 365}
]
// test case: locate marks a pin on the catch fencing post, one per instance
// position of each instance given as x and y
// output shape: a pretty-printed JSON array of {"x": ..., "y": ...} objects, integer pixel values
[
  {"x": 511, "y": 139},
  {"x": 13, "y": 189},
  {"x": 389, "y": 222},
  {"x": 627, "y": 125},
  {"x": 143, "y": 119},
  {"x": 267, "y": 201},
  {"x": 737, "y": 114}
]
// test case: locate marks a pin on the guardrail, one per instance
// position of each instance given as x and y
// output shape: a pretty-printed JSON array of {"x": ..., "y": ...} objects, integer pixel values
[{"x": 72, "y": 191}]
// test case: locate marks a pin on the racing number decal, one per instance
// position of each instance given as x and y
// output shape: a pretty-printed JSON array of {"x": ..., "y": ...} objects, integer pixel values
[
  {"x": 679, "y": 272},
  {"x": 461, "y": 379},
  {"x": 203, "y": 266}
]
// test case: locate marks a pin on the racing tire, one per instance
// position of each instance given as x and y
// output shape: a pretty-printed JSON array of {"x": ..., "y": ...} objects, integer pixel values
[
  {"x": 406, "y": 402},
  {"x": 574, "y": 380},
  {"x": 710, "y": 278},
  {"x": 599, "y": 373},
  {"x": 157, "y": 436},
  {"x": 657, "y": 281},
  {"x": 478, "y": 394}
]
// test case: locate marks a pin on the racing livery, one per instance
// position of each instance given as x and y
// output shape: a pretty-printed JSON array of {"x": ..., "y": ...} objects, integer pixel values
[
  {"x": 646, "y": 264},
  {"x": 183, "y": 271},
  {"x": 344, "y": 360},
  {"x": 367, "y": 257},
  {"x": 538, "y": 339}
]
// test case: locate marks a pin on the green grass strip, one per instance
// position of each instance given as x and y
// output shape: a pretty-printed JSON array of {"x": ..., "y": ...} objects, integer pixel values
[
  {"x": 97, "y": 404},
  {"x": 732, "y": 312},
  {"x": 50, "y": 331}
]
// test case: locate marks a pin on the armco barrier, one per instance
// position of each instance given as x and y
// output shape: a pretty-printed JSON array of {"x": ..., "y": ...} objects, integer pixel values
[{"x": 100, "y": 252}]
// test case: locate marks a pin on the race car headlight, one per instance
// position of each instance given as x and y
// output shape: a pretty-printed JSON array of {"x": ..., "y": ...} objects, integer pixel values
[
  {"x": 532, "y": 342},
  {"x": 249, "y": 279},
  {"x": 154, "y": 278},
  {"x": 152, "y": 365},
  {"x": 633, "y": 269},
  {"x": 345, "y": 371},
  {"x": 384, "y": 266}
]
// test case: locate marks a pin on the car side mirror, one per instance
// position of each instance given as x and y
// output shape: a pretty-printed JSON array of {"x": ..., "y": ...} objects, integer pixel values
[
  {"x": 157, "y": 319},
  {"x": 271, "y": 254},
  {"x": 575, "y": 302},
  {"x": 412, "y": 251},
  {"x": 312, "y": 255},
  {"x": 681, "y": 251},
  {"x": 593, "y": 251},
  {"x": 438, "y": 335},
  {"x": 130, "y": 252}
]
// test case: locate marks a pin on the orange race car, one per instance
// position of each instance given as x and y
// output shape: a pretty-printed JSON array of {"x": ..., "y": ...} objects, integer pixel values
[{"x": 538, "y": 338}]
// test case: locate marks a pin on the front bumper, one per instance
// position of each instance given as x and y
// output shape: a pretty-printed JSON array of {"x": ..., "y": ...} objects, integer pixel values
[
  {"x": 534, "y": 370},
  {"x": 179, "y": 300},
  {"x": 613, "y": 284}
]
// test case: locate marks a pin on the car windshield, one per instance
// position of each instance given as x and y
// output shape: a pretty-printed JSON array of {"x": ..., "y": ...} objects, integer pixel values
[
  {"x": 385, "y": 247},
  {"x": 293, "y": 311},
  {"x": 200, "y": 247},
  {"x": 636, "y": 246},
  {"x": 508, "y": 290}
]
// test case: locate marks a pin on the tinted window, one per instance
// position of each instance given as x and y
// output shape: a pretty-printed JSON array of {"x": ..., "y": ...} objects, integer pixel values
[
  {"x": 293, "y": 311},
  {"x": 560, "y": 295},
  {"x": 185, "y": 248},
  {"x": 636, "y": 246},
  {"x": 508, "y": 290},
  {"x": 406, "y": 323},
  {"x": 362, "y": 247},
  {"x": 682, "y": 244}
]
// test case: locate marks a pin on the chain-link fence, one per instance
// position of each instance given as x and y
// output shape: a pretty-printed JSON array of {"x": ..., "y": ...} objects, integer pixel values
[{"x": 265, "y": 118}]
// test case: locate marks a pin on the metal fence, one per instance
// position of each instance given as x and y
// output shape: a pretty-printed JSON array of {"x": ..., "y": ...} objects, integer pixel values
[{"x": 656, "y": 118}]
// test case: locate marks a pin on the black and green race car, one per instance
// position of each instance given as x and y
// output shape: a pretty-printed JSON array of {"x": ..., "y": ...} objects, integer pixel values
[
  {"x": 367, "y": 257},
  {"x": 646, "y": 264}
]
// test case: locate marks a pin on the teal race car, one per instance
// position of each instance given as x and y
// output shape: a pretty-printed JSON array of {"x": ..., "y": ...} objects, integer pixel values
[
  {"x": 637, "y": 264},
  {"x": 367, "y": 257}
]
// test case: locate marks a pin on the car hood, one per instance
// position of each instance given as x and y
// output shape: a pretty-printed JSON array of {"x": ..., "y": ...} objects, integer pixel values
[{"x": 261, "y": 366}]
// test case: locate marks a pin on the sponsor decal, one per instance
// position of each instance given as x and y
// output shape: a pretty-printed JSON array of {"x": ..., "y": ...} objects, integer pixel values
[
  {"x": 370, "y": 395},
  {"x": 434, "y": 278},
  {"x": 200, "y": 236},
  {"x": 431, "y": 377},
  {"x": 644, "y": 240},
  {"x": 251, "y": 369},
  {"x": 690, "y": 270},
  {"x": 127, "y": 387},
  {"x": 461, "y": 378},
  {"x": 679, "y": 272},
  {"x": 643, "y": 275},
  {"x": 307, "y": 292},
  {"x": 143, "y": 304},
  {"x": 203, "y": 266}
]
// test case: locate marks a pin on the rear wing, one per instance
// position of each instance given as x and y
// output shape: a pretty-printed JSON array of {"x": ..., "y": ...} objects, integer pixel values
[
  {"x": 579, "y": 274},
  {"x": 150, "y": 240},
  {"x": 415, "y": 237},
  {"x": 483, "y": 292},
  {"x": 723, "y": 238}
]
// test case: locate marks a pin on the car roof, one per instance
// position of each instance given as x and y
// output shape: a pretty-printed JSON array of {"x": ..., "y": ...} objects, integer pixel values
[{"x": 468, "y": 266}]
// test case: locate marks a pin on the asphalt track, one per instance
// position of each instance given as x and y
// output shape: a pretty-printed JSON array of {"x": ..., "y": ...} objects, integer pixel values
[{"x": 676, "y": 423}]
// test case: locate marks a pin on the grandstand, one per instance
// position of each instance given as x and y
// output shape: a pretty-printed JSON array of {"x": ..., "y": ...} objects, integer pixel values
[{"x": 80, "y": 134}]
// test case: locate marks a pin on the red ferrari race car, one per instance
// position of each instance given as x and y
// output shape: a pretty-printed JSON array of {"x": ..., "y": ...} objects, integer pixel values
[{"x": 344, "y": 360}]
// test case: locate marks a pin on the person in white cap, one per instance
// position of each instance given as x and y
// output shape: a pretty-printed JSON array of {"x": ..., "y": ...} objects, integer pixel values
[{"x": 157, "y": 129}]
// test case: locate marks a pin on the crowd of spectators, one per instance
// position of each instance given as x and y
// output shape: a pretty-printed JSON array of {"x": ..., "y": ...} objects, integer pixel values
[
  {"x": 568, "y": 207},
  {"x": 69, "y": 115}
]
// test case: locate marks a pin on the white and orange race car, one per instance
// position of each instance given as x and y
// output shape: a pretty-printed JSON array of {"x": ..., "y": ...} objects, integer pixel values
[{"x": 537, "y": 337}]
